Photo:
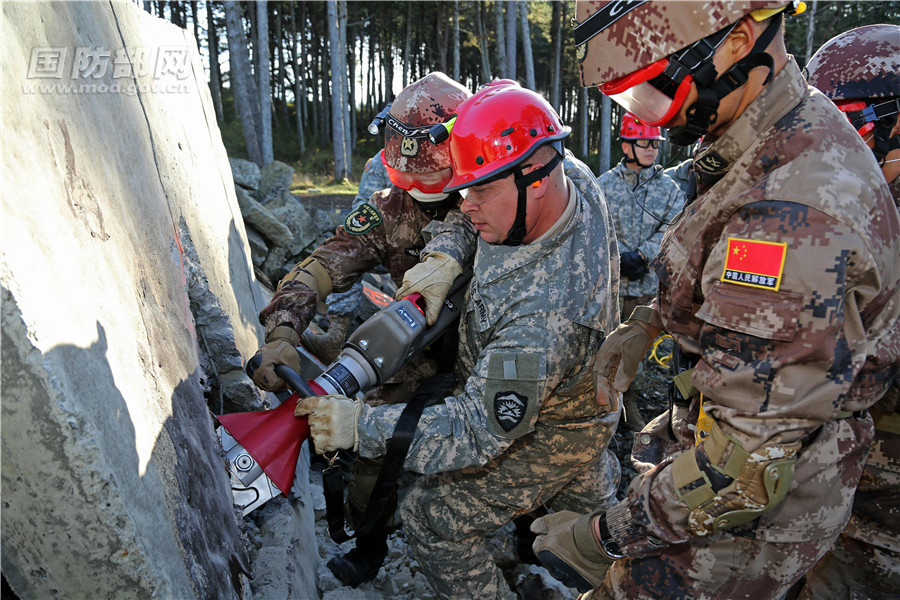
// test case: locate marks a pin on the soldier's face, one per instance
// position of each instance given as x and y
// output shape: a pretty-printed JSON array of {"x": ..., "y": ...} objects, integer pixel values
[
  {"x": 645, "y": 156},
  {"x": 492, "y": 208}
]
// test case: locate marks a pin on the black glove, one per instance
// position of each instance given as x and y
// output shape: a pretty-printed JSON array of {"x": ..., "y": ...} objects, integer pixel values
[{"x": 632, "y": 266}]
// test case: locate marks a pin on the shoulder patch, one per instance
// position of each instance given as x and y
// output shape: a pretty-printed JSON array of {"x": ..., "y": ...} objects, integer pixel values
[
  {"x": 362, "y": 220},
  {"x": 509, "y": 409},
  {"x": 754, "y": 263}
]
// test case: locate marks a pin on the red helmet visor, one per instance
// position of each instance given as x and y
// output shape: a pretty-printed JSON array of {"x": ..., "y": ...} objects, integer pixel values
[{"x": 639, "y": 93}]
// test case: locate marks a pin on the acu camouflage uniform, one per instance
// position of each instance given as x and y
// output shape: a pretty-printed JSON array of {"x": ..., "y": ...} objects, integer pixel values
[
  {"x": 680, "y": 174},
  {"x": 635, "y": 229},
  {"x": 781, "y": 362},
  {"x": 525, "y": 428}
]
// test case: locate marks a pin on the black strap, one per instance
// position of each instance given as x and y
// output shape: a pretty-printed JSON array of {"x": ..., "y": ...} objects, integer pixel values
[{"x": 397, "y": 447}]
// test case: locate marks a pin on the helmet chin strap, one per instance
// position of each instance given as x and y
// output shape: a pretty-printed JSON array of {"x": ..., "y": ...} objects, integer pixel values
[
  {"x": 517, "y": 231},
  {"x": 702, "y": 114}
]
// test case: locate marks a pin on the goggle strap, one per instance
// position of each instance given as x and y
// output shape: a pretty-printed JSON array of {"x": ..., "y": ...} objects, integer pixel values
[{"x": 874, "y": 112}]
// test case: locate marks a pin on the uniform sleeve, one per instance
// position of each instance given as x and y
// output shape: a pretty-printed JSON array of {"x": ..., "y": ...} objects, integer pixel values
[
  {"x": 779, "y": 356},
  {"x": 346, "y": 257},
  {"x": 465, "y": 430},
  {"x": 455, "y": 236}
]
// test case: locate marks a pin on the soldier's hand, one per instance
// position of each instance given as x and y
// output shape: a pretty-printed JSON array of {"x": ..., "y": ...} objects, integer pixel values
[
  {"x": 632, "y": 265},
  {"x": 568, "y": 546},
  {"x": 432, "y": 278},
  {"x": 332, "y": 421},
  {"x": 280, "y": 349},
  {"x": 622, "y": 352}
]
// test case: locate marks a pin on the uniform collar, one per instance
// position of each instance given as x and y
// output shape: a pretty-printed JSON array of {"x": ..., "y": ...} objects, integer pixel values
[{"x": 786, "y": 91}]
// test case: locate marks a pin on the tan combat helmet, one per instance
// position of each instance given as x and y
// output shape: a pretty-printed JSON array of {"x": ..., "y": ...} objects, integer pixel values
[
  {"x": 646, "y": 55},
  {"x": 413, "y": 162},
  {"x": 859, "y": 70}
]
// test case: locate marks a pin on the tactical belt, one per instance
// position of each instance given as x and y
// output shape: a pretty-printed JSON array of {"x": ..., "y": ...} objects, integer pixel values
[{"x": 333, "y": 480}]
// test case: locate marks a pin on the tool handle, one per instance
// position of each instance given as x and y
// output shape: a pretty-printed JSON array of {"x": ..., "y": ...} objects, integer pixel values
[{"x": 290, "y": 377}]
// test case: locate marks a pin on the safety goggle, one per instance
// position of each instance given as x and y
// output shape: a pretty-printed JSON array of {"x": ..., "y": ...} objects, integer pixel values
[
  {"x": 429, "y": 183},
  {"x": 649, "y": 94},
  {"x": 863, "y": 115},
  {"x": 646, "y": 143}
]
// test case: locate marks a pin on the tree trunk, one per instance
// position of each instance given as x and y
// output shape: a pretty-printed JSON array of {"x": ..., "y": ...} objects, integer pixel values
[
  {"x": 299, "y": 88},
  {"x": 265, "y": 84},
  {"x": 240, "y": 78},
  {"x": 482, "y": 42},
  {"x": 345, "y": 84},
  {"x": 512, "y": 13},
  {"x": 195, "y": 23},
  {"x": 810, "y": 31},
  {"x": 281, "y": 78},
  {"x": 440, "y": 21},
  {"x": 215, "y": 75},
  {"x": 556, "y": 21},
  {"x": 407, "y": 63},
  {"x": 502, "y": 63},
  {"x": 387, "y": 55},
  {"x": 456, "y": 40},
  {"x": 526, "y": 45},
  {"x": 605, "y": 134},
  {"x": 341, "y": 172}
]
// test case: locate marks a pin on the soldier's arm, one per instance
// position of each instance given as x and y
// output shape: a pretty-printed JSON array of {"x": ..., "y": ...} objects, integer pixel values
[
  {"x": 454, "y": 236},
  {"x": 339, "y": 262},
  {"x": 517, "y": 372},
  {"x": 775, "y": 366}
]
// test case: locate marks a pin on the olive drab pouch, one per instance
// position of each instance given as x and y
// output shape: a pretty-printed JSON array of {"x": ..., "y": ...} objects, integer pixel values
[
  {"x": 512, "y": 392},
  {"x": 725, "y": 486}
]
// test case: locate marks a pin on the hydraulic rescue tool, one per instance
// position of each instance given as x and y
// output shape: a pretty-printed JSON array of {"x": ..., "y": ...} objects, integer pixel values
[{"x": 262, "y": 447}]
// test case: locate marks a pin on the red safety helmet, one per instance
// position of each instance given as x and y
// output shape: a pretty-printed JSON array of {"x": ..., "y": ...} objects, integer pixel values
[
  {"x": 496, "y": 130},
  {"x": 636, "y": 129}
]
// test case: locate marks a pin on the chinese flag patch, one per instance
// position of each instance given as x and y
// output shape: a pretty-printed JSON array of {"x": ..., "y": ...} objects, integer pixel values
[{"x": 754, "y": 263}]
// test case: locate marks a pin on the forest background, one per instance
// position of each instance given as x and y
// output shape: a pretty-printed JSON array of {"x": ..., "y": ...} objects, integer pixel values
[{"x": 301, "y": 81}]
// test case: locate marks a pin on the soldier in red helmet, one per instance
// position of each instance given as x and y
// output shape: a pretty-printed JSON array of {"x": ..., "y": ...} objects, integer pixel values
[
  {"x": 389, "y": 230},
  {"x": 779, "y": 283},
  {"x": 525, "y": 428},
  {"x": 642, "y": 201}
]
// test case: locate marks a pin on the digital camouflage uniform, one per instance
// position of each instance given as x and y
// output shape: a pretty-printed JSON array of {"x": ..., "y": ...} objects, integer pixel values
[
  {"x": 635, "y": 229},
  {"x": 374, "y": 179},
  {"x": 525, "y": 428},
  {"x": 680, "y": 174},
  {"x": 783, "y": 358},
  {"x": 864, "y": 563}
]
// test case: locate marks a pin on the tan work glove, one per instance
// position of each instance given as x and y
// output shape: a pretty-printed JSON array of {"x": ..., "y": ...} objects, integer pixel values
[
  {"x": 280, "y": 349},
  {"x": 332, "y": 421},
  {"x": 622, "y": 352},
  {"x": 568, "y": 546},
  {"x": 432, "y": 278}
]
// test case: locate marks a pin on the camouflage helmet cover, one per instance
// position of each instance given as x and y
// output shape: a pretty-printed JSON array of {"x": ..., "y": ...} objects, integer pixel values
[
  {"x": 426, "y": 102},
  {"x": 638, "y": 33},
  {"x": 860, "y": 63}
]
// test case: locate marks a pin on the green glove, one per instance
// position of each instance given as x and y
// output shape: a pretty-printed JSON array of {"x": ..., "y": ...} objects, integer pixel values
[
  {"x": 568, "y": 545},
  {"x": 332, "y": 421},
  {"x": 432, "y": 278},
  {"x": 280, "y": 349},
  {"x": 622, "y": 352}
]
